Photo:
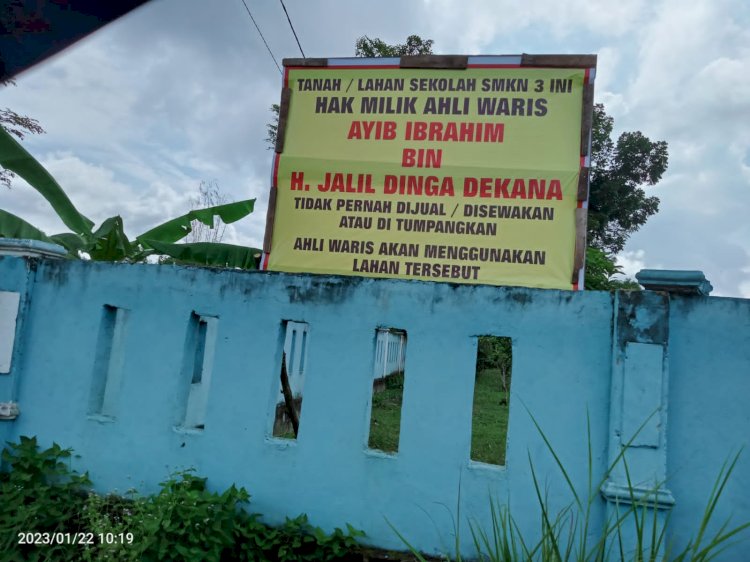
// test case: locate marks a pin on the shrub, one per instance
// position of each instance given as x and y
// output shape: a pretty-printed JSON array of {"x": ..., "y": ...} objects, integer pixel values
[
  {"x": 184, "y": 521},
  {"x": 40, "y": 494}
]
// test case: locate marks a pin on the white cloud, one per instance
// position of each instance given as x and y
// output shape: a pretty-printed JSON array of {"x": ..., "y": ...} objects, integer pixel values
[
  {"x": 692, "y": 70},
  {"x": 472, "y": 29},
  {"x": 688, "y": 83},
  {"x": 97, "y": 193},
  {"x": 744, "y": 286},
  {"x": 631, "y": 262}
]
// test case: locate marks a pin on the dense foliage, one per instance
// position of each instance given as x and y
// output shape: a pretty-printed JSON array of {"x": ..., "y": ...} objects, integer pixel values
[
  {"x": 494, "y": 353},
  {"x": 601, "y": 270},
  {"x": 618, "y": 205},
  {"x": 414, "y": 45},
  {"x": 184, "y": 521},
  {"x": 39, "y": 493}
]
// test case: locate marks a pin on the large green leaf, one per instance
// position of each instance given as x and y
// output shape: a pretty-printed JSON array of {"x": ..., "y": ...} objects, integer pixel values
[
  {"x": 110, "y": 242},
  {"x": 14, "y": 157},
  {"x": 177, "y": 229},
  {"x": 12, "y": 226},
  {"x": 71, "y": 242},
  {"x": 208, "y": 253}
]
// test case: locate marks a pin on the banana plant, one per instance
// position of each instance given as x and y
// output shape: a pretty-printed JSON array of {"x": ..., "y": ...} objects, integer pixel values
[{"x": 109, "y": 242}]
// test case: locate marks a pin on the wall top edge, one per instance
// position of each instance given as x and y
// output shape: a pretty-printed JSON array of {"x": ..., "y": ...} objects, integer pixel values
[
  {"x": 30, "y": 248},
  {"x": 684, "y": 282}
]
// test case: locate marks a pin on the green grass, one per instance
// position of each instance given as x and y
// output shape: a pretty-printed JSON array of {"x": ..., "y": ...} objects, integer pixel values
[
  {"x": 385, "y": 421},
  {"x": 489, "y": 420}
]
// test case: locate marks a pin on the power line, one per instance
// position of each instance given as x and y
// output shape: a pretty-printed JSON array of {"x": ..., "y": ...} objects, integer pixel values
[
  {"x": 290, "y": 25},
  {"x": 261, "y": 36}
]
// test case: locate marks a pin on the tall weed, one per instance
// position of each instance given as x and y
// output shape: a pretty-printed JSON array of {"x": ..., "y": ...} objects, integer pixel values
[{"x": 632, "y": 533}]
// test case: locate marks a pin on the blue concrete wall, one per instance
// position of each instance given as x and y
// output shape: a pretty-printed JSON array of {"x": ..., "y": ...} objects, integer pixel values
[
  {"x": 709, "y": 412},
  {"x": 17, "y": 276},
  {"x": 563, "y": 364}
]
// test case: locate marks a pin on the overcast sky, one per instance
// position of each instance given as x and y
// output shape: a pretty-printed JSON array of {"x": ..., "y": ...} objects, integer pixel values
[{"x": 179, "y": 90}]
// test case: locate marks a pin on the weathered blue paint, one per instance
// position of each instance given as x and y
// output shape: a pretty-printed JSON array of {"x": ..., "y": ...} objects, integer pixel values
[
  {"x": 709, "y": 417},
  {"x": 639, "y": 413},
  {"x": 642, "y": 394},
  {"x": 16, "y": 275},
  {"x": 570, "y": 354}
]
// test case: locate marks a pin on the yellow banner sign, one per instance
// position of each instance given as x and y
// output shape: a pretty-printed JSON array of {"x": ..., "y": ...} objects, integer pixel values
[{"x": 467, "y": 176}]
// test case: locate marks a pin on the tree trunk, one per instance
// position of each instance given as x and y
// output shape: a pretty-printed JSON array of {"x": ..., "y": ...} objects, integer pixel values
[{"x": 291, "y": 411}]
